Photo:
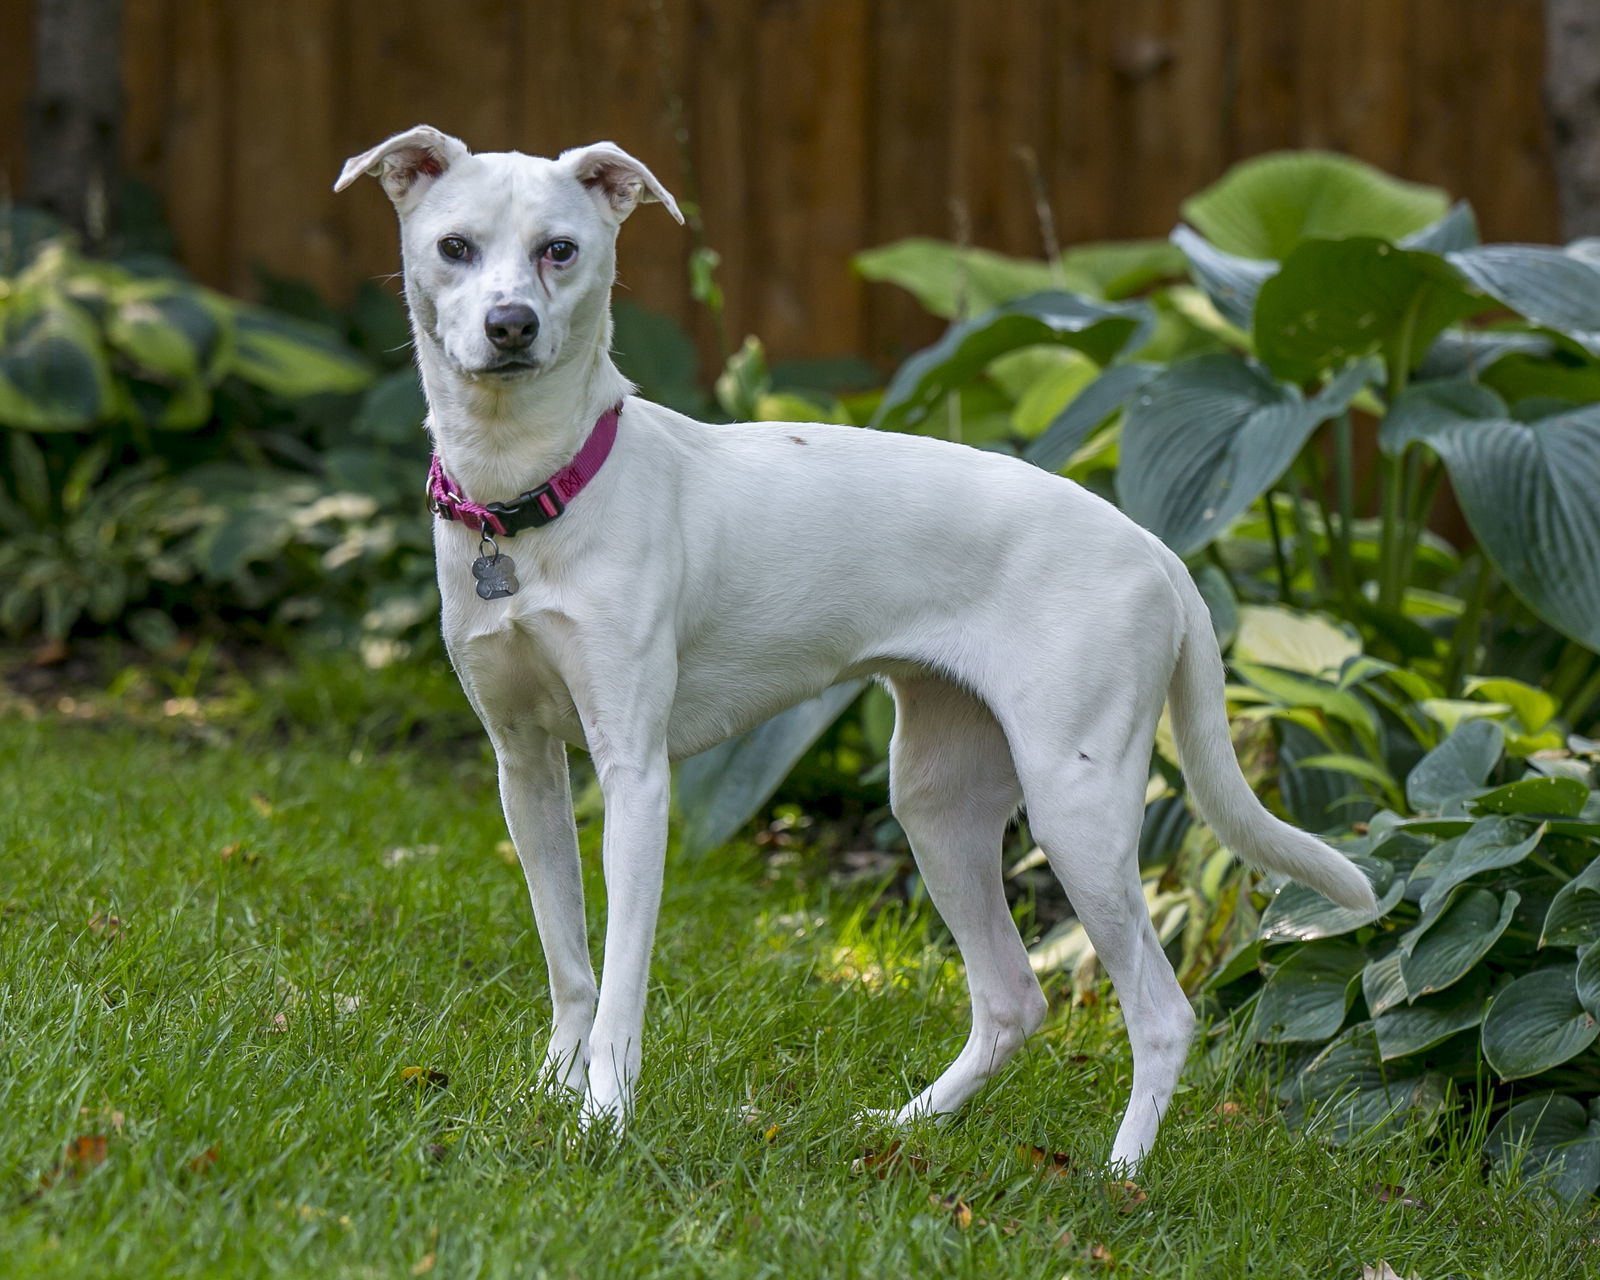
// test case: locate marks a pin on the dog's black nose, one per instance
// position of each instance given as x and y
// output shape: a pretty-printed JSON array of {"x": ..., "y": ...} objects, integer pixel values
[{"x": 511, "y": 327}]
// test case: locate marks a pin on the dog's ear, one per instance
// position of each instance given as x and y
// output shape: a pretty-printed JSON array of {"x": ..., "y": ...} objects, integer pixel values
[
  {"x": 406, "y": 164},
  {"x": 616, "y": 179}
]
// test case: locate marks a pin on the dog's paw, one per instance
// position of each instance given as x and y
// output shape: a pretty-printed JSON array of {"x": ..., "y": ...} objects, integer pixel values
[
  {"x": 566, "y": 1066},
  {"x": 899, "y": 1117},
  {"x": 601, "y": 1116}
]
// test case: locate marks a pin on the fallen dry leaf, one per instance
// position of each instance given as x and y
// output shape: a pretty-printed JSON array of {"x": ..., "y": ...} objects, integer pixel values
[
  {"x": 82, "y": 1154},
  {"x": 1066, "y": 1240},
  {"x": 107, "y": 926},
  {"x": 1391, "y": 1193},
  {"x": 1054, "y": 1164},
  {"x": 261, "y": 804},
  {"x": 1125, "y": 1196},
  {"x": 425, "y": 1075},
  {"x": 892, "y": 1157},
  {"x": 204, "y": 1160},
  {"x": 247, "y": 857},
  {"x": 507, "y": 852},
  {"x": 424, "y": 1265},
  {"x": 1102, "y": 1255},
  {"x": 960, "y": 1211},
  {"x": 1383, "y": 1271}
]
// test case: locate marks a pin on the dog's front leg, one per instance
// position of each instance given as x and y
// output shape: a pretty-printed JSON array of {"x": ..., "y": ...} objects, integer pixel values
[
  {"x": 536, "y": 795},
  {"x": 633, "y": 852}
]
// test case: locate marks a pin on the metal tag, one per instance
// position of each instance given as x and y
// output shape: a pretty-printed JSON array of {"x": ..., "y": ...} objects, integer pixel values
[{"x": 496, "y": 575}]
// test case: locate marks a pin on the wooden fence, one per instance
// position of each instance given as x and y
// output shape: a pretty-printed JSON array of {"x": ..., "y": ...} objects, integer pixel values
[{"x": 807, "y": 129}]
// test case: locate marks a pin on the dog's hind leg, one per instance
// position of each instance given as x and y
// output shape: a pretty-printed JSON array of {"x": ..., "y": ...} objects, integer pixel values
[
  {"x": 953, "y": 789},
  {"x": 1086, "y": 815}
]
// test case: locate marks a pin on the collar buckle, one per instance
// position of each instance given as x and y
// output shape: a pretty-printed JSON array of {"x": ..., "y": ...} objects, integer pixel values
[{"x": 530, "y": 510}]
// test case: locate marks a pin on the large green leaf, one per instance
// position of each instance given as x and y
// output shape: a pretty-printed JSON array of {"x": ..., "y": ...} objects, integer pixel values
[
  {"x": 1382, "y": 984},
  {"x": 54, "y": 375},
  {"x": 1553, "y": 1141},
  {"x": 1107, "y": 394},
  {"x": 1206, "y": 438},
  {"x": 950, "y": 280},
  {"x": 1349, "y": 1086},
  {"x": 293, "y": 358},
  {"x": 1574, "y": 916},
  {"x": 1490, "y": 845},
  {"x": 721, "y": 789},
  {"x": 1548, "y": 286},
  {"x": 1264, "y": 207},
  {"x": 1231, "y": 282},
  {"x": 1299, "y": 914},
  {"x": 1099, "y": 329},
  {"x": 1447, "y": 943},
  {"x": 1308, "y": 995},
  {"x": 1527, "y": 489},
  {"x": 1118, "y": 268},
  {"x": 170, "y": 332},
  {"x": 1424, "y": 1023},
  {"x": 1458, "y": 229},
  {"x": 1338, "y": 300},
  {"x": 1536, "y": 1023},
  {"x": 1536, "y": 797},
  {"x": 1290, "y": 689},
  {"x": 1457, "y": 767},
  {"x": 1588, "y": 981}
]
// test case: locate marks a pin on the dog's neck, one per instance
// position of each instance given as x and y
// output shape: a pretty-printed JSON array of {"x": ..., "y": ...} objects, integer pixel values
[{"x": 497, "y": 440}]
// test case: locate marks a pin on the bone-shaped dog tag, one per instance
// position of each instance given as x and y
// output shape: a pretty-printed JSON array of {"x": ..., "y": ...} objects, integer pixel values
[{"x": 496, "y": 575}]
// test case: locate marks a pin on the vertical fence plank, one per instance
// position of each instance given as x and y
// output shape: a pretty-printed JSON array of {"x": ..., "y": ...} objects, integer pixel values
[
  {"x": 198, "y": 159},
  {"x": 908, "y": 162},
  {"x": 995, "y": 110},
  {"x": 282, "y": 146},
  {"x": 807, "y": 170},
  {"x": 722, "y": 143}
]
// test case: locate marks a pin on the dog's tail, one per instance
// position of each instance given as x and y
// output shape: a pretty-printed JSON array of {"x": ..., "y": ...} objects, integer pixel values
[{"x": 1224, "y": 798}]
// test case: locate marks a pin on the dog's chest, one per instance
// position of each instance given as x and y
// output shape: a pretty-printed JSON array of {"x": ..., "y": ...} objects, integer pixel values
[{"x": 508, "y": 655}]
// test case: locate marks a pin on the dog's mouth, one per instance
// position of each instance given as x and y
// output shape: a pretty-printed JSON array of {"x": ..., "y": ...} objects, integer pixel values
[{"x": 510, "y": 367}]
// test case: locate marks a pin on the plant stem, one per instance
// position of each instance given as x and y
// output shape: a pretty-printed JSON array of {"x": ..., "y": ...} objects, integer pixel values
[
  {"x": 1308, "y": 543},
  {"x": 1390, "y": 587},
  {"x": 1285, "y": 594},
  {"x": 1585, "y": 698},
  {"x": 1344, "y": 488},
  {"x": 1421, "y": 488},
  {"x": 1464, "y": 644}
]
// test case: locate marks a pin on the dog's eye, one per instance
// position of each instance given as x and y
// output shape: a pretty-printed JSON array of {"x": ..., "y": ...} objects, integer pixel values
[
  {"x": 560, "y": 251},
  {"x": 455, "y": 248}
]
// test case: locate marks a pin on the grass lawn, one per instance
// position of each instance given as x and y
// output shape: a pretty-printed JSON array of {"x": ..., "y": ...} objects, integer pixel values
[{"x": 221, "y": 948}]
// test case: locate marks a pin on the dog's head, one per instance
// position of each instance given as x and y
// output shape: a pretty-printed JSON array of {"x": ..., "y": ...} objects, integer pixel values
[{"x": 508, "y": 258}]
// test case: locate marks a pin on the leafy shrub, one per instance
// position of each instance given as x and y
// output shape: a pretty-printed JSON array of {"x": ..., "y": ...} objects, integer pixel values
[
  {"x": 178, "y": 454},
  {"x": 1483, "y": 959}
]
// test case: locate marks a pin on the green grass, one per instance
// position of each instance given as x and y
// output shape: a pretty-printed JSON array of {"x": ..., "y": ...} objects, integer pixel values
[{"x": 261, "y": 1007}]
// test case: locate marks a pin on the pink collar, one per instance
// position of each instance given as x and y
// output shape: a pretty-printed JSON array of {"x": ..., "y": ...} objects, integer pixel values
[{"x": 536, "y": 507}]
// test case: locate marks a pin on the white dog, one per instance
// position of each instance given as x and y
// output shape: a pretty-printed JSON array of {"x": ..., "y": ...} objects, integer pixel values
[{"x": 706, "y": 577}]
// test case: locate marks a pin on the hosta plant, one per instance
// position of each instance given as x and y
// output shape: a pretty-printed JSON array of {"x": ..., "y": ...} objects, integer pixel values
[
  {"x": 86, "y": 343},
  {"x": 1481, "y": 974}
]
